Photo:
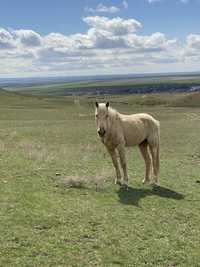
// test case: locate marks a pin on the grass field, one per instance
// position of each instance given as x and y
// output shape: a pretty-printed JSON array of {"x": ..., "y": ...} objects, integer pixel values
[{"x": 45, "y": 223}]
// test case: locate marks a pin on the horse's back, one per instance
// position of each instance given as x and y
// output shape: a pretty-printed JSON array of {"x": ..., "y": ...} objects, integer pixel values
[{"x": 138, "y": 127}]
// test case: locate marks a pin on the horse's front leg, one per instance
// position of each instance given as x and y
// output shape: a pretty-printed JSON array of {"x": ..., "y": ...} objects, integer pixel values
[
  {"x": 122, "y": 155},
  {"x": 113, "y": 155}
]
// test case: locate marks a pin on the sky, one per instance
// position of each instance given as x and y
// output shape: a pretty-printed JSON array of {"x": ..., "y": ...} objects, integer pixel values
[{"x": 95, "y": 37}]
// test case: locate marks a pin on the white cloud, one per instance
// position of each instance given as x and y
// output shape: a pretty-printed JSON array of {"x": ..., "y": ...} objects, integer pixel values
[
  {"x": 154, "y": 1},
  {"x": 193, "y": 41},
  {"x": 156, "y": 42},
  {"x": 191, "y": 51},
  {"x": 115, "y": 26},
  {"x": 125, "y": 4},
  {"x": 6, "y": 40},
  {"x": 108, "y": 46},
  {"x": 28, "y": 37},
  {"x": 103, "y": 9},
  {"x": 184, "y": 1},
  {"x": 55, "y": 40}
]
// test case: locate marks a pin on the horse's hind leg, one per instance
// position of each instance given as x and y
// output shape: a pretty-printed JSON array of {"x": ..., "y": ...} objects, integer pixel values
[{"x": 144, "y": 149}]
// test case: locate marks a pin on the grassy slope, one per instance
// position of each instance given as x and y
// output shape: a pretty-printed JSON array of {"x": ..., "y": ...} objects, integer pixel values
[
  {"x": 187, "y": 100},
  {"x": 43, "y": 224}
]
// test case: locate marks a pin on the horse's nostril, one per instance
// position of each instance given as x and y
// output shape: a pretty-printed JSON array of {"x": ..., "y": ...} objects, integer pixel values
[{"x": 101, "y": 132}]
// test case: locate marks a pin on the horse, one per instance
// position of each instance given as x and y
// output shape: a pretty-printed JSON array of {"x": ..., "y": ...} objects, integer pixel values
[{"x": 118, "y": 131}]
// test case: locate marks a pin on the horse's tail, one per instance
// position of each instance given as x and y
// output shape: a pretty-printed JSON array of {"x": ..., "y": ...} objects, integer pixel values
[
  {"x": 154, "y": 143},
  {"x": 158, "y": 158},
  {"x": 157, "y": 151}
]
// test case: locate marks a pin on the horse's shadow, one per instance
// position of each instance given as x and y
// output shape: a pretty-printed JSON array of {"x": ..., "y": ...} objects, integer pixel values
[{"x": 132, "y": 196}]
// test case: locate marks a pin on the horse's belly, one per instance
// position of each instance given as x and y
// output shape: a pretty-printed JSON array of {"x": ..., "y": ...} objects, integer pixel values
[
  {"x": 134, "y": 135},
  {"x": 134, "y": 140}
]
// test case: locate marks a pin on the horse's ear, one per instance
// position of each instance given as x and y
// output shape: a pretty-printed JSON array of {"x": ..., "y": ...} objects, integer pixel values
[
  {"x": 97, "y": 104},
  {"x": 107, "y": 104}
]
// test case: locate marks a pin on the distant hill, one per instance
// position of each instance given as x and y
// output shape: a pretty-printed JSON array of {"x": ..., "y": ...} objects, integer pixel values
[
  {"x": 15, "y": 100},
  {"x": 3, "y": 92},
  {"x": 113, "y": 88},
  {"x": 104, "y": 85},
  {"x": 188, "y": 100},
  {"x": 16, "y": 83}
]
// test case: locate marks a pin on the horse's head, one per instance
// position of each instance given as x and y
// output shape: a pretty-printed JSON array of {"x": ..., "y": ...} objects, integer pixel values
[{"x": 102, "y": 118}]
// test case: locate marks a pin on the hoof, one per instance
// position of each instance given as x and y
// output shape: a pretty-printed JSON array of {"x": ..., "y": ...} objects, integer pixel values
[
  {"x": 154, "y": 184},
  {"x": 124, "y": 186},
  {"x": 145, "y": 181},
  {"x": 118, "y": 182}
]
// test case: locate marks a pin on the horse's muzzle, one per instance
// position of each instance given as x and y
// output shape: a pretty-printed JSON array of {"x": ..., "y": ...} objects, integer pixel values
[{"x": 101, "y": 132}]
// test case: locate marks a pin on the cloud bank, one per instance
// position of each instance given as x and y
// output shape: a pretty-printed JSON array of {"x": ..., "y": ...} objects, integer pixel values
[{"x": 108, "y": 46}]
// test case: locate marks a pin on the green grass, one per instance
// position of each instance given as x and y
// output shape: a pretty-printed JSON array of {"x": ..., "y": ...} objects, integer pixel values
[{"x": 44, "y": 223}]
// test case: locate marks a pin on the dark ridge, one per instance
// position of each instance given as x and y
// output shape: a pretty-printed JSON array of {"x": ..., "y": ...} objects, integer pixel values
[{"x": 120, "y": 90}]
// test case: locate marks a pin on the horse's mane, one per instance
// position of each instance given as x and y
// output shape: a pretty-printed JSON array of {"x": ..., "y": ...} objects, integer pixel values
[{"x": 113, "y": 113}]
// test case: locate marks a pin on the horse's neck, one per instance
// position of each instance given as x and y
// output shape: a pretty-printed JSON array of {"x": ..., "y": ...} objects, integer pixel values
[
  {"x": 113, "y": 131},
  {"x": 113, "y": 115},
  {"x": 115, "y": 120}
]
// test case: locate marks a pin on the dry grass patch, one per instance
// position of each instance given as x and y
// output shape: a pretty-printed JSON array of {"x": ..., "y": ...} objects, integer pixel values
[
  {"x": 75, "y": 181},
  {"x": 33, "y": 151},
  {"x": 2, "y": 147}
]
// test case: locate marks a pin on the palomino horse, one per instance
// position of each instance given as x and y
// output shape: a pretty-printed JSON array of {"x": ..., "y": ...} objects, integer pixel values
[{"x": 118, "y": 131}]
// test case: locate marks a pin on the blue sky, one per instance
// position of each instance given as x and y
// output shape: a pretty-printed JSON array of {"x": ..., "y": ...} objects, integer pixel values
[
  {"x": 97, "y": 37},
  {"x": 172, "y": 17}
]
